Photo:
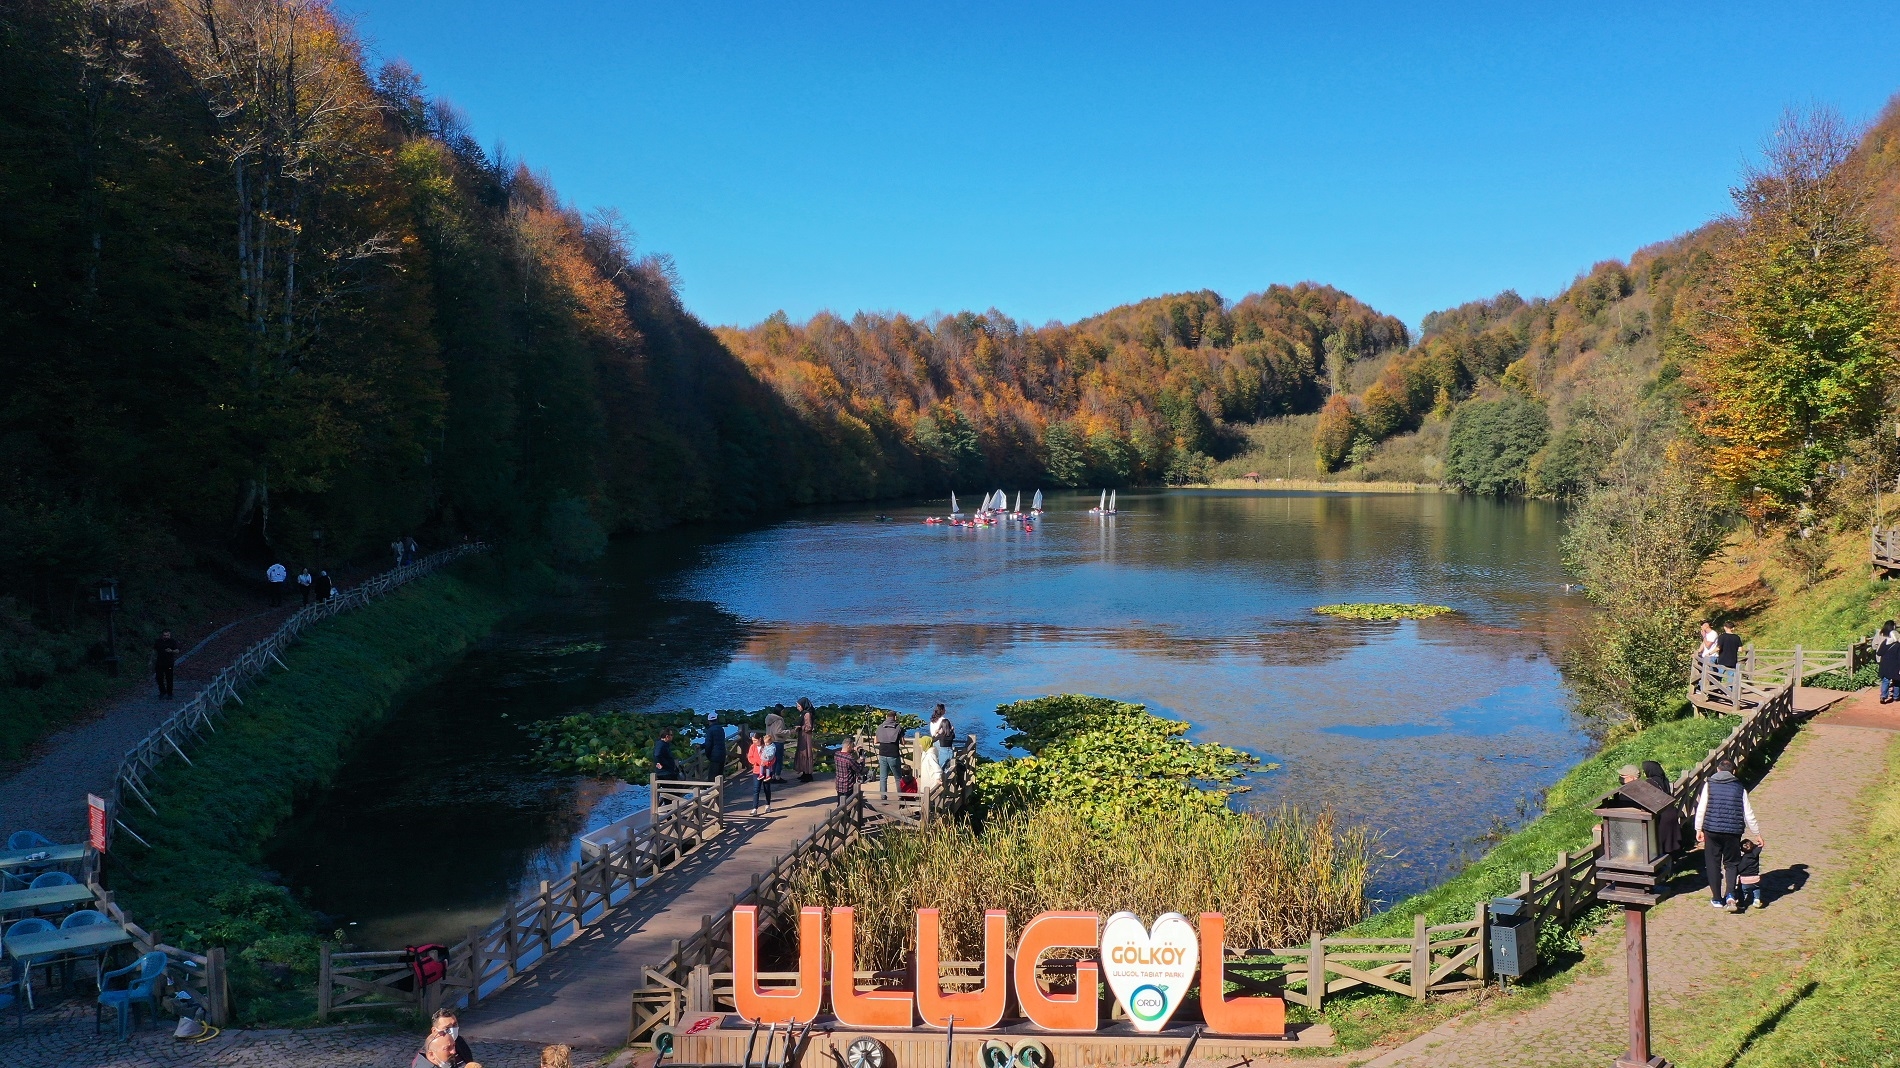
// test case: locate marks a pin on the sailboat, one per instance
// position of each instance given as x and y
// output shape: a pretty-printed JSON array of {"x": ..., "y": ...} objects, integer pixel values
[
  {"x": 1035, "y": 506},
  {"x": 1019, "y": 503},
  {"x": 1111, "y": 503},
  {"x": 1002, "y": 502},
  {"x": 954, "y": 510},
  {"x": 1102, "y": 508}
]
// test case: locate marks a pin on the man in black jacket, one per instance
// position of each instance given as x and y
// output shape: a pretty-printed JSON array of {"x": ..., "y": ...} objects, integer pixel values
[{"x": 164, "y": 659}]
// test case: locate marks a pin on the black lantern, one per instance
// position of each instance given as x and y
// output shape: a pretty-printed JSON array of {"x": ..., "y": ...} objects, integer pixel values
[
  {"x": 109, "y": 600},
  {"x": 1627, "y": 872}
]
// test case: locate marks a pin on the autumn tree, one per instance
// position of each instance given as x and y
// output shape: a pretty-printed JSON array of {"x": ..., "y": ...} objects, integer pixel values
[
  {"x": 1333, "y": 438},
  {"x": 1788, "y": 356}
]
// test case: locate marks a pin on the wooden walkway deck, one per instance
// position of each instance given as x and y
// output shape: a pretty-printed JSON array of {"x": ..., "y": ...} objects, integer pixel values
[{"x": 582, "y": 995}]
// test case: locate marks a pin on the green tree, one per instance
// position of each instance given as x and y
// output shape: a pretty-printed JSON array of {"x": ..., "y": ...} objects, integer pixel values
[
  {"x": 1492, "y": 443},
  {"x": 1065, "y": 456}
]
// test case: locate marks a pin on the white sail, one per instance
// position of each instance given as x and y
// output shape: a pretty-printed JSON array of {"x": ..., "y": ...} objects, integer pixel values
[
  {"x": 1036, "y": 505},
  {"x": 953, "y": 503},
  {"x": 1111, "y": 500},
  {"x": 1002, "y": 501},
  {"x": 1103, "y": 506},
  {"x": 1019, "y": 500}
]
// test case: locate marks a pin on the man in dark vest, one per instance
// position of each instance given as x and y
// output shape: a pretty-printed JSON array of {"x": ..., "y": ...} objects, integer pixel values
[
  {"x": 715, "y": 746},
  {"x": 164, "y": 659},
  {"x": 1722, "y": 816}
]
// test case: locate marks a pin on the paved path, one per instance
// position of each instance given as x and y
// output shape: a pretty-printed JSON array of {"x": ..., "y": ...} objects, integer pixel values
[
  {"x": 583, "y": 994},
  {"x": 1804, "y": 804},
  {"x": 48, "y": 793},
  {"x": 1864, "y": 710}
]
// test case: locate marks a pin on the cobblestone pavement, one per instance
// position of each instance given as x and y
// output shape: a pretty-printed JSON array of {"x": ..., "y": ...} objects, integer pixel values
[
  {"x": 1804, "y": 804},
  {"x": 61, "y": 1037}
]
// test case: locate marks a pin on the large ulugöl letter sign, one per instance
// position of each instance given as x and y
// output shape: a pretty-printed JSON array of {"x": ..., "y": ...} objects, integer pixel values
[{"x": 1149, "y": 970}]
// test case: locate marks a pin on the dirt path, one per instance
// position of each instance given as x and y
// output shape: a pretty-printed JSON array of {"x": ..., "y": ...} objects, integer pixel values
[{"x": 1805, "y": 804}]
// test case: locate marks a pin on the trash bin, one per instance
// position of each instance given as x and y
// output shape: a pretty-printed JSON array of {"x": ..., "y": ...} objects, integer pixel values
[{"x": 1513, "y": 938}]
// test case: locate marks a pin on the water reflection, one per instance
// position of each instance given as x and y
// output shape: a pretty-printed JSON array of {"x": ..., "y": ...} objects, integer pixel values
[{"x": 1196, "y": 604}]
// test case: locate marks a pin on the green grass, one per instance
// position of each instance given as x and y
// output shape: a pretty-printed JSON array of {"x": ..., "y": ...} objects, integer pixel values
[
  {"x": 1362, "y": 1018},
  {"x": 1834, "y": 1000},
  {"x": 199, "y": 884}
]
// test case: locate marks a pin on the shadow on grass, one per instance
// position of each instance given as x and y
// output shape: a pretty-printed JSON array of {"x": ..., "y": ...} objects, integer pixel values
[{"x": 1770, "y": 1022}]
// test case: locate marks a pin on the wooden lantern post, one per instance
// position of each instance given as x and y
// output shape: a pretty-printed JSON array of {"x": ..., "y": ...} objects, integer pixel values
[{"x": 1627, "y": 873}]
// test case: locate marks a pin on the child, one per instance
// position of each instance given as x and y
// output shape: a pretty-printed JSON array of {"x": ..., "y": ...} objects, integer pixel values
[{"x": 1748, "y": 869}]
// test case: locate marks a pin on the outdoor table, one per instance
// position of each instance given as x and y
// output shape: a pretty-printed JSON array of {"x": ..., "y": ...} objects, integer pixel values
[
  {"x": 52, "y": 945},
  {"x": 45, "y": 897},
  {"x": 55, "y": 854}
]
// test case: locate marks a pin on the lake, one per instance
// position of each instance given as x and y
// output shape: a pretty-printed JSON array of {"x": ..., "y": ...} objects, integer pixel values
[{"x": 1440, "y": 733}]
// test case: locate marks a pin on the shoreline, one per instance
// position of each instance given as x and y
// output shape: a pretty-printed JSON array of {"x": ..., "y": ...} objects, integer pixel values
[{"x": 1315, "y": 485}]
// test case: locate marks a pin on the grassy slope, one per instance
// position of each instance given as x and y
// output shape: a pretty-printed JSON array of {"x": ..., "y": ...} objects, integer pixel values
[{"x": 199, "y": 884}]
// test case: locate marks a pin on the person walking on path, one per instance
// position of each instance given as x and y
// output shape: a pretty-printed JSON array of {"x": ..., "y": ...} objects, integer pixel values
[
  {"x": 164, "y": 661},
  {"x": 664, "y": 764},
  {"x": 849, "y": 766},
  {"x": 775, "y": 733},
  {"x": 807, "y": 739},
  {"x": 304, "y": 582},
  {"x": 409, "y": 549},
  {"x": 715, "y": 746},
  {"x": 1722, "y": 815},
  {"x": 943, "y": 736},
  {"x": 445, "y": 1047},
  {"x": 325, "y": 588},
  {"x": 276, "y": 576},
  {"x": 762, "y": 755},
  {"x": 1887, "y": 654},
  {"x": 890, "y": 741},
  {"x": 395, "y": 547}
]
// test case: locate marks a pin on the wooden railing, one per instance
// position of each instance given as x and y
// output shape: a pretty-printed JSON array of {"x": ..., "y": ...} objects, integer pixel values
[
  {"x": 1761, "y": 673},
  {"x": 530, "y": 929},
  {"x": 203, "y": 974},
  {"x": 686, "y": 979},
  {"x": 1886, "y": 548},
  {"x": 197, "y": 716}
]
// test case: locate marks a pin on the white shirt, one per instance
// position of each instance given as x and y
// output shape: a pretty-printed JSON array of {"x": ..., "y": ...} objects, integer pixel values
[
  {"x": 277, "y": 573},
  {"x": 305, "y": 579}
]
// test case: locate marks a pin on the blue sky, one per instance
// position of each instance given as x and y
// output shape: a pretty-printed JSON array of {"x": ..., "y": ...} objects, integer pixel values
[{"x": 1054, "y": 160}]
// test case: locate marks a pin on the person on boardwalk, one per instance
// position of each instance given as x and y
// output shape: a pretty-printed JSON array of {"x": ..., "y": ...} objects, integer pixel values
[
  {"x": 1728, "y": 652},
  {"x": 1887, "y": 654},
  {"x": 275, "y": 576},
  {"x": 445, "y": 1047},
  {"x": 715, "y": 746},
  {"x": 849, "y": 766},
  {"x": 395, "y": 547},
  {"x": 890, "y": 742},
  {"x": 943, "y": 735},
  {"x": 164, "y": 661},
  {"x": 762, "y": 755},
  {"x": 1722, "y": 815},
  {"x": 807, "y": 739},
  {"x": 1668, "y": 821},
  {"x": 1705, "y": 654},
  {"x": 409, "y": 549},
  {"x": 775, "y": 732},
  {"x": 664, "y": 764},
  {"x": 304, "y": 582},
  {"x": 325, "y": 588}
]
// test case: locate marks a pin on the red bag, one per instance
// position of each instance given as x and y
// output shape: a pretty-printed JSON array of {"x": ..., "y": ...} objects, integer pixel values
[{"x": 428, "y": 964}]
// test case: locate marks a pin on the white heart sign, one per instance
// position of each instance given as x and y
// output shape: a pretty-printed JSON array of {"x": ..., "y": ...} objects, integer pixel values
[{"x": 1149, "y": 970}]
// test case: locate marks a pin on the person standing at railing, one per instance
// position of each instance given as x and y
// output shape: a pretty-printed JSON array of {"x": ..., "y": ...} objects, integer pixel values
[
  {"x": 849, "y": 767},
  {"x": 1722, "y": 815},
  {"x": 664, "y": 763},
  {"x": 943, "y": 736},
  {"x": 1887, "y": 655},
  {"x": 715, "y": 746},
  {"x": 890, "y": 762},
  {"x": 164, "y": 661},
  {"x": 775, "y": 733},
  {"x": 1728, "y": 653},
  {"x": 409, "y": 549},
  {"x": 1705, "y": 654},
  {"x": 304, "y": 582}
]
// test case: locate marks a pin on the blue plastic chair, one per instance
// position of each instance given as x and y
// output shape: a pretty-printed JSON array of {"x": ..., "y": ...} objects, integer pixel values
[
  {"x": 142, "y": 987},
  {"x": 10, "y": 994},
  {"x": 30, "y": 926},
  {"x": 28, "y": 840},
  {"x": 89, "y": 918},
  {"x": 51, "y": 878}
]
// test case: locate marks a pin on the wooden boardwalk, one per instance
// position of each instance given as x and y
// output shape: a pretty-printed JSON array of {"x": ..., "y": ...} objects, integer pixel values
[{"x": 582, "y": 995}]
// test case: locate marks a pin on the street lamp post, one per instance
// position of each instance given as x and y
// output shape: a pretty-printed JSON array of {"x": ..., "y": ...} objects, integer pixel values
[
  {"x": 1627, "y": 873},
  {"x": 109, "y": 600}
]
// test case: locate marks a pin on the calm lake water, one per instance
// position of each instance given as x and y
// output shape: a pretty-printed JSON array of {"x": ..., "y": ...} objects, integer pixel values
[{"x": 1197, "y": 604}]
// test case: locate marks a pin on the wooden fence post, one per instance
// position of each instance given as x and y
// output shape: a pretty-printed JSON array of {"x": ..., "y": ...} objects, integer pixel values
[
  {"x": 1484, "y": 942},
  {"x": 217, "y": 988},
  {"x": 1563, "y": 884},
  {"x": 1316, "y": 974},
  {"x": 1421, "y": 958},
  {"x": 323, "y": 982}
]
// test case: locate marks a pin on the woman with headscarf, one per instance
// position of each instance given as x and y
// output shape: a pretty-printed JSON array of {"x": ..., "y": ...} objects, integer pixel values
[
  {"x": 807, "y": 739},
  {"x": 1887, "y": 653},
  {"x": 1668, "y": 821}
]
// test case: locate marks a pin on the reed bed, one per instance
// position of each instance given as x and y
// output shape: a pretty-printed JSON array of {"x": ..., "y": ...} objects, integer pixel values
[{"x": 1275, "y": 878}]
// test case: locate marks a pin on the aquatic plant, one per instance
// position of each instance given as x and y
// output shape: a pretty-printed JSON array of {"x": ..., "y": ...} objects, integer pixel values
[
  {"x": 1381, "y": 613},
  {"x": 1273, "y": 877}
]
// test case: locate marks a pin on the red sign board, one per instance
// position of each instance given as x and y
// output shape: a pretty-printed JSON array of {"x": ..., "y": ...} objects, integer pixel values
[{"x": 96, "y": 820}]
